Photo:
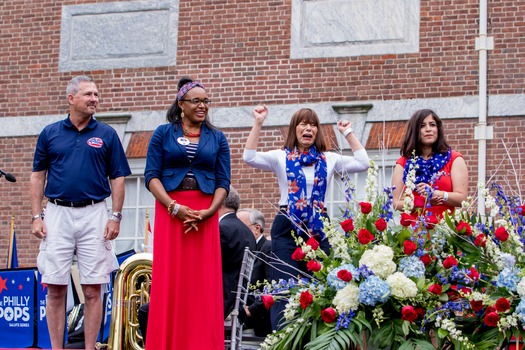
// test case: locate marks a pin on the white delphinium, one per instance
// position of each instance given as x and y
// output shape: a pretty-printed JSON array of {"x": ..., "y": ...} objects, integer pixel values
[
  {"x": 408, "y": 198},
  {"x": 450, "y": 327},
  {"x": 379, "y": 260},
  {"x": 490, "y": 202},
  {"x": 337, "y": 240},
  {"x": 371, "y": 183},
  {"x": 493, "y": 250},
  {"x": 291, "y": 307},
  {"x": 379, "y": 316},
  {"x": 401, "y": 286},
  {"x": 347, "y": 298},
  {"x": 507, "y": 322}
]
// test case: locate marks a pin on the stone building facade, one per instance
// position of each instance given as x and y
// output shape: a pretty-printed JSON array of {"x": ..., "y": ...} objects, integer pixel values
[{"x": 374, "y": 62}]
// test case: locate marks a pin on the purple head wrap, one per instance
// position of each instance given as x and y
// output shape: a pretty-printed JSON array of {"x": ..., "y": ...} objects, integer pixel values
[{"x": 187, "y": 87}]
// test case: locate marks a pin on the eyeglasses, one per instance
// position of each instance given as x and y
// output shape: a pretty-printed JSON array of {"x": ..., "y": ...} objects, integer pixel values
[{"x": 198, "y": 101}]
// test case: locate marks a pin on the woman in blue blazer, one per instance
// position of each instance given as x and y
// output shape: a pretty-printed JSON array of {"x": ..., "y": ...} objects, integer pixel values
[{"x": 188, "y": 172}]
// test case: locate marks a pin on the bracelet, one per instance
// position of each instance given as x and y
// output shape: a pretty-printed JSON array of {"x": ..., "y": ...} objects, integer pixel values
[
  {"x": 38, "y": 216},
  {"x": 116, "y": 216},
  {"x": 347, "y": 131},
  {"x": 175, "y": 210},
  {"x": 445, "y": 196},
  {"x": 171, "y": 206}
]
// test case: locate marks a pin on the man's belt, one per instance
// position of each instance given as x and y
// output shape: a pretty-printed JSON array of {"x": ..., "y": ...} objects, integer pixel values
[{"x": 71, "y": 204}]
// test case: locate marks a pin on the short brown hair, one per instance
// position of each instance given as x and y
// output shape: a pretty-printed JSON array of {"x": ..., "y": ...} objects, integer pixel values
[{"x": 309, "y": 116}]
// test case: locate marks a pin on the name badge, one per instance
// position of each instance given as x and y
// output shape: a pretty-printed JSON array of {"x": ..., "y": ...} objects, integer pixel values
[{"x": 183, "y": 141}]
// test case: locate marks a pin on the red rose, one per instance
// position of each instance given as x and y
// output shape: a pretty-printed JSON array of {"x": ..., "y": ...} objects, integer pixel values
[
  {"x": 344, "y": 275},
  {"x": 521, "y": 210},
  {"x": 490, "y": 309},
  {"x": 347, "y": 225},
  {"x": 328, "y": 315},
  {"x": 491, "y": 319},
  {"x": 364, "y": 236},
  {"x": 480, "y": 240},
  {"x": 312, "y": 243},
  {"x": 464, "y": 229},
  {"x": 406, "y": 219},
  {"x": 466, "y": 290},
  {"x": 408, "y": 313},
  {"x": 431, "y": 221},
  {"x": 314, "y": 265},
  {"x": 409, "y": 247},
  {"x": 502, "y": 304},
  {"x": 501, "y": 234},
  {"x": 435, "y": 289},
  {"x": 449, "y": 262},
  {"x": 380, "y": 224},
  {"x": 419, "y": 201},
  {"x": 365, "y": 207},
  {"x": 306, "y": 299},
  {"x": 425, "y": 259},
  {"x": 473, "y": 273},
  {"x": 298, "y": 255},
  {"x": 268, "y": 301},
  {"x": 476, "y": 305},
  {"x": 420, "y": 311}
]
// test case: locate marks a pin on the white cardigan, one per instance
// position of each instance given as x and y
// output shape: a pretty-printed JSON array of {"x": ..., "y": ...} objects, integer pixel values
[{"x": 276, "y": 161}]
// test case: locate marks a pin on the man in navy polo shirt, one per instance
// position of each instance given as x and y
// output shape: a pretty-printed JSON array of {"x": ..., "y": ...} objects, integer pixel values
[{"x": 83, "y": 162}]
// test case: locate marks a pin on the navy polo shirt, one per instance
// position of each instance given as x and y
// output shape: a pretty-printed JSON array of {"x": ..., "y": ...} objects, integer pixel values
[{"x": 79, "y": 163}]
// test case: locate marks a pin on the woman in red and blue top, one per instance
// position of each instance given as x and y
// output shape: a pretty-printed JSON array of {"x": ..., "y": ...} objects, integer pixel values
[{"x": 441, "y": 173}]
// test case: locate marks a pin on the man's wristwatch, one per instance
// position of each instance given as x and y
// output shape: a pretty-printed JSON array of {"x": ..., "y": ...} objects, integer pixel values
[
  {"x": 38, "y": 216},
  {"x": 116, "y": 216}
]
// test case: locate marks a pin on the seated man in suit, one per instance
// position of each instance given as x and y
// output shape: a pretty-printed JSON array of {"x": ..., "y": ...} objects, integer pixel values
[
  {"x": 235, "y": 236},
  {"x": 257, "y": 317}
]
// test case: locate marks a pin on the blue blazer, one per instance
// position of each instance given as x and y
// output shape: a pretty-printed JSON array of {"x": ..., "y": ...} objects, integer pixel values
[{"x": 167, "y": 160}]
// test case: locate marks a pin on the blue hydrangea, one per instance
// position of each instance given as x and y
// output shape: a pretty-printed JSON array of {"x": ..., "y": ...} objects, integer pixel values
[
  {"x": 412, "y": 266},
  {"x": 508, "y": 278},
  {"x": 520, "y": 311},
  {"x": 373, "y": 291},
  {"x": 336, "y": 282}
]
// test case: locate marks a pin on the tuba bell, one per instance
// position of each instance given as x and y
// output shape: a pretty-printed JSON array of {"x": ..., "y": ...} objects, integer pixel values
[{"x": 130, "y": 291}]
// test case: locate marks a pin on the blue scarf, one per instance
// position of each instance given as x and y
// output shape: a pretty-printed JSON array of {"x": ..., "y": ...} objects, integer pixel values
[
  {"x": 427, "y": 170},
  {"x": 302, "y": 212}
]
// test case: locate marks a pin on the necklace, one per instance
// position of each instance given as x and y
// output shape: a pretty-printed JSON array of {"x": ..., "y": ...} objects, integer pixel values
[{"x": 190, "y": 134}]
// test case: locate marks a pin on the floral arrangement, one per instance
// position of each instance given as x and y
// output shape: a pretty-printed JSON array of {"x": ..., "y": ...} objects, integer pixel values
[{"x": 409, "y": 281}]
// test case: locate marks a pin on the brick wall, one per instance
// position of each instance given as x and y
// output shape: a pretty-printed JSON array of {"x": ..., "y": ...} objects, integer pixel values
[{"x": 240, "y": 50}]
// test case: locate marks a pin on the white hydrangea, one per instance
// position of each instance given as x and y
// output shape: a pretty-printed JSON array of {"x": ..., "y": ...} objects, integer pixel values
[
  {"x": 379, "y": 260},
  {"x": 347, "y": 299},
  {"x": 401, "y": 286},
  {"x": 521, "y": 288}
]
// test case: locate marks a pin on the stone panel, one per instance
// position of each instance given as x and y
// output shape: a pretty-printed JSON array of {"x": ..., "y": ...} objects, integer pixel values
[
  {"x": 341, "y": 28},
  {"x": 119, "y": 35}
]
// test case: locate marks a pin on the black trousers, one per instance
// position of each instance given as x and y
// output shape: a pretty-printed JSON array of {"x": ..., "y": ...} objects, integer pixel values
[{"x": 283, "y": 246}]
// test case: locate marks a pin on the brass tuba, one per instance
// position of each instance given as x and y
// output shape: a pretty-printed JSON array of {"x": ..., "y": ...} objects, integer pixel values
[{"x": 130, "y": 291}]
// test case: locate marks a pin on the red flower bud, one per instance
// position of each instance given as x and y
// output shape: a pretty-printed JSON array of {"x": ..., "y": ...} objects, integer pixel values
[
  {"x": 306, "y": 299},
  {"x": 365, "y": 207},
  {"x": 464, "y": 228},
  {"x": 501, "y": 234},
  {"x": 435, "y": 289},
  {"x": 449, "y": 262},
  {"x": 328, "y": 315},
  {"x": 480, "y": 240},
  {"x": 409, "y": 247},
  {"x": 298, "y": 254},
  {"x": 406, "y": 219},
  {"x": 344, "y": 275},
  {"x": 312, "y": 243},
  {"x": 268, "y": 301},
  {"x": 476, "y": 305},
  {"x": 314, "y": 265},
  {"x": 408, "y": 313},
  {"x": 380, "y": 224},
  {"x": 502, "y": 304},
  {"x": 347, "y": 225},
  {"x": 364, "y": 236},
  {"x": 431, "y": 221},
  {"x": 491, "y": 319},
  {"x": 426, "y": 259}
]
